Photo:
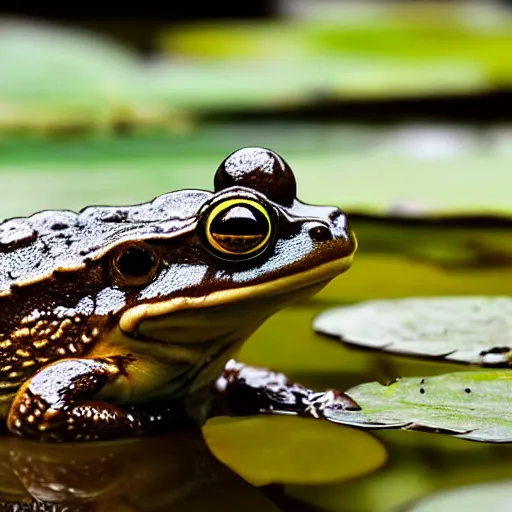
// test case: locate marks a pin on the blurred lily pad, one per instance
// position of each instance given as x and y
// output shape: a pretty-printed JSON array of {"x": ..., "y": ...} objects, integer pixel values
[
  {"x": 74, "y": 79},
  {"x": 285, "y": 449},
  {"x": 469, "y": 405},
  {"x": 491, "y": 497},
  {"x": 474, "y": 330},
  {"x": 383, "y": 52},
  {"x": 68, "y": 77},
  {"x": 333, "y": 164}
]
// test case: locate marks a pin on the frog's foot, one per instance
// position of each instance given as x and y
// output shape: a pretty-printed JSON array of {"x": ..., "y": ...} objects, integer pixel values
[
  {"x": 318, "y": 402},
  {"x": 249, "y": 390},
  {"x": 59, "y": 404}
]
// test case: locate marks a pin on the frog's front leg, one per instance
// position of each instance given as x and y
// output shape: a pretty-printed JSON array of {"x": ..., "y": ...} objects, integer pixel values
[
  {"x": 60, "y": 403},
  {"x": 249, "y": 390}
]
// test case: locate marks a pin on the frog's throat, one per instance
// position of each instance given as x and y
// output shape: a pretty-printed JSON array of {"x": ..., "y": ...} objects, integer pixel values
[{"x": 133, "y": 317}]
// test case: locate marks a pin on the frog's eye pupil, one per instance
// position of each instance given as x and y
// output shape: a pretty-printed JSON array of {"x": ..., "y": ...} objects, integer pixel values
[
  {"x": 135, "y": 262},
  {"x": 135, "y": 266},
  {"x": 239, "y": 228}
]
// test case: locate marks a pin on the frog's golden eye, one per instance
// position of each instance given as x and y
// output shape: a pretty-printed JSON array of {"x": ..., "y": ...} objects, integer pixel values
[
  {"x": 134, "y": 265},
  {"x": 239, "y": 228}
]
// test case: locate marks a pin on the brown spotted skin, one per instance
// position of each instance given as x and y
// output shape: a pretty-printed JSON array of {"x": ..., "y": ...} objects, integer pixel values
[
  {"x": 41, "y": 339},
  {"x": 59, "y": 405},
  {"x": 94, "y": 349}
]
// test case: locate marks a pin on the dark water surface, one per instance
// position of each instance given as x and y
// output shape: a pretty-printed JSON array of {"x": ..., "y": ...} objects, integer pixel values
[
  {"x": 178, "y": 472},
  {"x": 173, "y": 472}
]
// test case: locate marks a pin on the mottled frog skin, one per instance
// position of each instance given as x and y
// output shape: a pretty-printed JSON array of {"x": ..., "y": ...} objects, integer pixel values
[{"x": 114, "y": 318}]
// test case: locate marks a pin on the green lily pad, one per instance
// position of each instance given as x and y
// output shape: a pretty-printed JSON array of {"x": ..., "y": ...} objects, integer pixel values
[
  {"x": 68, "y": 77},
  {"x": 473, "y": 330},
  {"x": 285, "y": 449},
  {"x": 72, "y": 79},
  {"x": 469, "y": 405},
  {"x": 491, "y": 497},
  {"x": 382, "y": 52},
  {"x": 333, "y": 165}
]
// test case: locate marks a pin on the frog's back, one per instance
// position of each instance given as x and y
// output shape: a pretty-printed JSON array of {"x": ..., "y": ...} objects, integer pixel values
[
  {"x": 53, "y": 297},
  {"x": 33, "y": 248}
]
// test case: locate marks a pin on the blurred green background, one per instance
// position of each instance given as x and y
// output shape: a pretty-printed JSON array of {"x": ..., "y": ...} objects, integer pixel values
[{"x": 394, "y": 111}]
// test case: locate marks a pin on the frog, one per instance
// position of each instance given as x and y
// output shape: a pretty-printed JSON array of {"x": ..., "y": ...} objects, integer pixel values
[{"x": 117, "y": 320}]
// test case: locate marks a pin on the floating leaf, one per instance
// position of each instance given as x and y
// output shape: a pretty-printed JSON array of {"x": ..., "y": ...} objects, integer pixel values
[
  {"x": 469, "y": 405},
  {"x": 316, "y": 155},
  {"x": 69, "y": 77},
  {"x": 380, "y": 53},
  {"x": 491, "y": 497},
  {"x": 475, "y": 330},
  {"x": 285, "y": 449}
]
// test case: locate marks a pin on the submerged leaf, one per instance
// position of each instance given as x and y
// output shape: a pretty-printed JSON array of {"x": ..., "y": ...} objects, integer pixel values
[
  {"x": 469, "y": 405},
  {"x": 285, "y": 449},
  {"x": 491, "y": 497},
  {"x": 474, "y": 330}
]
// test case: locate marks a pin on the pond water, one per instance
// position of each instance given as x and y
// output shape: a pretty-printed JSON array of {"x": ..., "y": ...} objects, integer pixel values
[
  {"x": 174, "y": 472},
  {"x": 178, "y": 471}
]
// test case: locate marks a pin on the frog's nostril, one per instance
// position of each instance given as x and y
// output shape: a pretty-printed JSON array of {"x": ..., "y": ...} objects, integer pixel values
[{"x": 320, "y": 234}]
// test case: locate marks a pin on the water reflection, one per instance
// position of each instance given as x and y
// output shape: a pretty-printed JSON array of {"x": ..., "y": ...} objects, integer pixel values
[{"x": 152, "y": 474}]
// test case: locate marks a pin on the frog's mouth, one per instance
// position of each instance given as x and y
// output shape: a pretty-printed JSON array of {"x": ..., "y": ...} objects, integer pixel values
[
  {"x": 156, "y": 321},
  {"x": 194, "y": 337}
]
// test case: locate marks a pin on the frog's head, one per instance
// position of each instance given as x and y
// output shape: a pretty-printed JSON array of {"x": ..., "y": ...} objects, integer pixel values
[
  {"x": 252, "y": 248},
  {"x": 185, "y": 278}
]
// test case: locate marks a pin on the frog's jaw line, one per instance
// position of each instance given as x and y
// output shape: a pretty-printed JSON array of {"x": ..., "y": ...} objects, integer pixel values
[{"x": 133, "y": 317}]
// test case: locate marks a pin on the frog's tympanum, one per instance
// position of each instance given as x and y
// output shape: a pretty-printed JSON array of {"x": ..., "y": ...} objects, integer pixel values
[{"x": 113, "y": 308}]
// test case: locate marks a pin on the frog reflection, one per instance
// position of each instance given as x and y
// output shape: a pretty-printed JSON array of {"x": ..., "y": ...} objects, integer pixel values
[{"x": 136, "y": 475}]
